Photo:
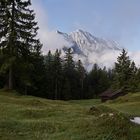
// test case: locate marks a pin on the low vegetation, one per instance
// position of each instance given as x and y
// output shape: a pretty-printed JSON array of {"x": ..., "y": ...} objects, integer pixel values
[{"x": 32, "y": 118}]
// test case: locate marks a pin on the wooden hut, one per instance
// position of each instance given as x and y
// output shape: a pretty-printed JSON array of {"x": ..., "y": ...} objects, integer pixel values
[{"x": 110, "y": 95}]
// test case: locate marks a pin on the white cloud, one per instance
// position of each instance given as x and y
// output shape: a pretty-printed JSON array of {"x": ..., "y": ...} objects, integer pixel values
[
  {"x": 135, "y": 56},
  {"x": 53, "y": 41},
  {"x": 107, "y": 58},
  {"x": 50, "y": 39}
]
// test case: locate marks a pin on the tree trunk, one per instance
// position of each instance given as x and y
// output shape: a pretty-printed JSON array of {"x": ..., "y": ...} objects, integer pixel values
[
  {"x": 25, "y": 91},
  {"x": 11, "y": 44},
  {"x": 10, "y": 86},
  {"x": 56, "y": 89},
  {"x": 82, "y": 86}
]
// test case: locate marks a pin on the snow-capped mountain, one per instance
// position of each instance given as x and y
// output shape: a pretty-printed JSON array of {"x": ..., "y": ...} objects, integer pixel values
[{"x": 90, "y": 49}]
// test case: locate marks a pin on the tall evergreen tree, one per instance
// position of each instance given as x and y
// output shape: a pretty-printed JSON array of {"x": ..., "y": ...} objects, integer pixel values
[
  {"x": 138, "y": 79},
  {"x": 123, "y": 71},
  {"x": 49, "y": 60},
  {"x": 69, "y": 75},
  {"x": 133, "y": 84},
  {"x": 98, "y": 81},
  {"x": 81, "y": 72},
  {"x": 57, "y": 66},
  {"x": 18, "y": 32},
  {"x": 69, "y": 62}
]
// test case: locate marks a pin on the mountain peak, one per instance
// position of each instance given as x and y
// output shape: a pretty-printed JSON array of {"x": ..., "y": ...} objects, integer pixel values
[
  {"x": 85, "y": 46},
  {"x": 79, "y": 30}
]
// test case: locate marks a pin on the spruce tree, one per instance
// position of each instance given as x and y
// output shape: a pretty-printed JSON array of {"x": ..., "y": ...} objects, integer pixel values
[
  {"x": 123, "y": 71},
  {"x": 98, "y": 81},
  {"x": 133, "y": 84},
  {"x": 81, "y": 75},
  {"x": 69, "y": 75},
  {"x": 69, "y": 62},
  {"x": 57, "y": 76},
  {"x": 18, "y": 32},
  {"x": 49, "y": 60},
  {"x": 138, "y": 79}
]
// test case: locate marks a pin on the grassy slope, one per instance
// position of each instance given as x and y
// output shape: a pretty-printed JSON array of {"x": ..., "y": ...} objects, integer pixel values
[
  {"x": 130, "y": 107},
  {"x": 30, "y": 118}
]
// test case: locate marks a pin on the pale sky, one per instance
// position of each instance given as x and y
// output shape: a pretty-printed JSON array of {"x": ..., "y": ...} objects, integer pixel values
[{"x": 118, "y": 20}]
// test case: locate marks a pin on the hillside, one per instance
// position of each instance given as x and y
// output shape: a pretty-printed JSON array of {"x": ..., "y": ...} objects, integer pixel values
[{"x": 32, "y": 118}]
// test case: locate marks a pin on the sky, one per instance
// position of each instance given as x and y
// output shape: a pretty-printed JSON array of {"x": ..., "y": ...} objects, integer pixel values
[{"x": 117, "y": 20}]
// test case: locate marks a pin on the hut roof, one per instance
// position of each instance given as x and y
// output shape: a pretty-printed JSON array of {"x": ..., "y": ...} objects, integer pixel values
[
  {"x": 106, "y": 93},
  {"x": 110, "y": 93}
]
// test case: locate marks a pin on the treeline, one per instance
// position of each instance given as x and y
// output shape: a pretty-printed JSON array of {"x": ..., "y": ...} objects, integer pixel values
[
  {"x": 67, "y": 79},
  {"x": 25, "y": 69},
  {"x": 54, "y": 77}
]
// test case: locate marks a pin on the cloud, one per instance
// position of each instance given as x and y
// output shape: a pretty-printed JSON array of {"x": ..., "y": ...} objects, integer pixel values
[
  {"x": 135, "y": 56},
  {"x": 104, "y": 59},
  {"x": 53, "y": 41},
  {"x": 50, "y": 39},
  {"x": 108, "y": 58}
]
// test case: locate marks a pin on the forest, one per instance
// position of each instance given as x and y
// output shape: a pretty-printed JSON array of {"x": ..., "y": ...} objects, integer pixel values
[{"x": 24, "y": 68}]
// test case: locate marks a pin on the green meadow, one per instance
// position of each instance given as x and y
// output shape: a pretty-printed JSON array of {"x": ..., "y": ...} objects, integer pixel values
[{"x": 32, "y": 118}]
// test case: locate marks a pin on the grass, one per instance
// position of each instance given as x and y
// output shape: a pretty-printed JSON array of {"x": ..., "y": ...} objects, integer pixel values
[
  {"x": 32, "y": 118},
  {"x": 129, "y": 104}
]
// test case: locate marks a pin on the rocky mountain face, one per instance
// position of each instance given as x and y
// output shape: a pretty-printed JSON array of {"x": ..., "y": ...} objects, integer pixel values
[{"x": 90, "y": 49}]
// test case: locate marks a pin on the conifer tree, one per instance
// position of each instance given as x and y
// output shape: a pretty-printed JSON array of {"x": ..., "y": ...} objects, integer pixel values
[
  {"x": 123, "y": 71},
  {"x": 57, "y": 70},
  {"x": 69, "y": 74},
  {"x": 48, "y": 60},
  {"x": 81, "y": 75},
  {"x": 133, "y": 84},
  {"x": 138, "y": 79},
  {"x": 18, "y": 32},
  {"x": 98, "y": 81},
  {"x": 69, "y": 62}
]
